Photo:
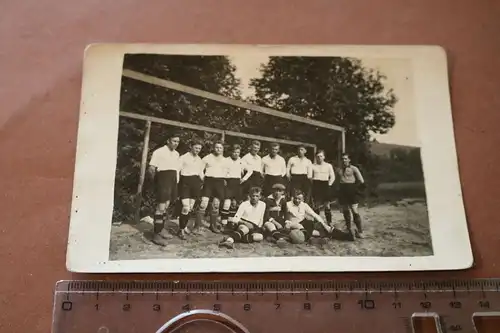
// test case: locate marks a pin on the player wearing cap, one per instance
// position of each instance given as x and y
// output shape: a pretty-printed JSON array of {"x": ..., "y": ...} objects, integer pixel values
[
  {"x": 234, "y": 167},
  {"x": 275, "y": 215},
  {"x": 191, "y": 176},
  {"x": 214, "y": 185},
  {"x": 273, "y": 168},
  {"x": 164, "y": 168},
  {"x": 249, "y": 220},
  {"x": 350, "y": 183},
  {"x": 252, "y": 164},
  {"x": 299, "y": 172},
  {"x": 323, "y": 177}
]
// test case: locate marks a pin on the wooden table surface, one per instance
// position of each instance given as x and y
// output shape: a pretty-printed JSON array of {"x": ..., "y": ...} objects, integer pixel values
[{"x": 41, "y": 48}]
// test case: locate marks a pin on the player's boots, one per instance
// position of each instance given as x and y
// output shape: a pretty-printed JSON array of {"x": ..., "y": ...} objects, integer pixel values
[
  {"x": 158, "y": 239},
  {"x": 214, "y": 223},
  {"x": 359, "y": 228},
  {"x": 348, "y": 224}
]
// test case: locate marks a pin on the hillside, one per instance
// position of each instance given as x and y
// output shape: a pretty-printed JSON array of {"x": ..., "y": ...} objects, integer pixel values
[{"x": 384, "y": 149}]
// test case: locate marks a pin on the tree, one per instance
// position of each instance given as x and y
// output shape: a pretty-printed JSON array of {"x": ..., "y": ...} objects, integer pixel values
[
  {"x": 210, "y": 73},
  {"x": 331, "y": 89}
]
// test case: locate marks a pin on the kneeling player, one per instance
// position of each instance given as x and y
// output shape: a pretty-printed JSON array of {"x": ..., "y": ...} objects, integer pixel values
[{"x": 249, "y": 218}]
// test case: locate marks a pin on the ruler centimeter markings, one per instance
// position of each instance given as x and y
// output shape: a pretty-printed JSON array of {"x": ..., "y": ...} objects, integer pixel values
[{"x": 277, "y": 306}]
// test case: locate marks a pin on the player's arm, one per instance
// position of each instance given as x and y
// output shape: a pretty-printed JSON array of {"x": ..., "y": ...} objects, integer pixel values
[
  {"x": 331, "y": 176},
  {"x": 248, "y": 169},
  {"x": 317, "y": 218},
  {"x": 358, "y": 175},
  {"x": 289, "y": 168},
  {"x": 239, "y": 213},
  {"x": 309, "y": 170},
  {"x": 263, "y": 165},
  {"x": 283, "y": 167},
  {"x": 201, "y": 171},
  {"x": 153, "y": 164},
  {"x": 204, "y": 163}
]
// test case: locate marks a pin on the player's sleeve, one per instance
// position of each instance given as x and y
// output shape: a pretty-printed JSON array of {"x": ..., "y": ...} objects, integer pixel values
[
  {"x": 154, "y": 159},
  {"x": 239, "y": 213}
]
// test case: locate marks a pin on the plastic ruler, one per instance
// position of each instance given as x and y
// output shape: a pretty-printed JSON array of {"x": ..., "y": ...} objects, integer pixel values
[{"x": 277, "y": 306}]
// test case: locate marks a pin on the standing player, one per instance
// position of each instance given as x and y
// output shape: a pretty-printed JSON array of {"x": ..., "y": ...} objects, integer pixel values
[
  {"x": 233, "y": 180},
  {"x": 273, "y": 168},
  {"x": 164, "y": 168},
  {"x": 191, "y": 177},
  {"x": 351, "y": 181},
  {"x": 299, "y": 172},
  {"x": 249, "y": 218},
  {"x": 252, "y": 164},
  {"x": 323, "y": 177},
  {"x": 214, "y": 186}
]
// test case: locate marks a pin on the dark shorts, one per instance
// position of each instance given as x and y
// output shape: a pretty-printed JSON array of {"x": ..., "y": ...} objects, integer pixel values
[
  {"x": 321, "y": 192},
  {"x": 214, "y": 188},
  {"x": 190, "y": 187},
  {"x": 300, "y": 182},
  {"x": 233, "y": 189},
  {"x": 269, "y": 181},
  {"x": 255, "y": 180},
  {"x": 348, "y": 194},
  {"x": 166, "y": 185},
  {"x": 248, "y": 238}
]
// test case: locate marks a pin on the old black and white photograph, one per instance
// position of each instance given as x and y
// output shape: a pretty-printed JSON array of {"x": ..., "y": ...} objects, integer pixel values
[{"x": 248, "y": 153}]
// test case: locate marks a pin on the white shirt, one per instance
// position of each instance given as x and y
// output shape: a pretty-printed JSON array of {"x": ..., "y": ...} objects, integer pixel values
[
  {"x": 298, "y": 213},
  {"x": 274, "y": 166},
  {"x": 215, "y": 166},
  {"x": 248, "y": 213},
  {"x": 165, "y": 159},
  {"x": 324, "y": 172},
  {"x": 300, "y": 166},
  {"x": 252, "y": 163},
  {"x": 191, "y": 165},
  {"x": 234, "y": 168}
]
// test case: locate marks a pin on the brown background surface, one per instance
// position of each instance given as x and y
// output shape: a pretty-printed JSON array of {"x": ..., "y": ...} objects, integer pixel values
[{"x": 41, "y": 50}]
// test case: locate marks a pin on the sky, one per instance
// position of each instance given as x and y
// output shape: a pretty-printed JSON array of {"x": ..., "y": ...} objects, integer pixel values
[{"x": 398, "y": 73}]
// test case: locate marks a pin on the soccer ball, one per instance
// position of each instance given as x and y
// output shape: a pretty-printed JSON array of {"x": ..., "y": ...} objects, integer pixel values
[{"x": 297, "y": 236}]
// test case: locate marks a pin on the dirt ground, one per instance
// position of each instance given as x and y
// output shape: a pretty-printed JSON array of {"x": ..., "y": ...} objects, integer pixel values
[{"x": 398, "y": 229}]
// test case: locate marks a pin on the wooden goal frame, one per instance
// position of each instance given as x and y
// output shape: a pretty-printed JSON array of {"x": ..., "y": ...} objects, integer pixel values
[{"x": 219, "y": 98}]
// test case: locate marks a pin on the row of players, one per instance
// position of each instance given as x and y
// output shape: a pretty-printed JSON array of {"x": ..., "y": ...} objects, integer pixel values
[{"x": 229, "y": 180}]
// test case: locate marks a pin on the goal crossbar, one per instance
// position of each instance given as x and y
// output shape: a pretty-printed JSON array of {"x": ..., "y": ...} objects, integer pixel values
[
  {"x": 223, "y": 133},
  {"x": 226, "y": 100}
]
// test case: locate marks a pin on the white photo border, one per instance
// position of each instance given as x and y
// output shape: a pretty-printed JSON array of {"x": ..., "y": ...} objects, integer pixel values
[{"x": 95, "y": 165}]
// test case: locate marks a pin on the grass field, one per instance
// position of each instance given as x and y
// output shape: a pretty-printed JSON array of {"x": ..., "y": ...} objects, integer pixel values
[{"x": 400, "y": 228}]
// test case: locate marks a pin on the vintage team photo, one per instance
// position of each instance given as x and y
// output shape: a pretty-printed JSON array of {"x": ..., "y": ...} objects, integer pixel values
[{"x": 261, "y": 156}]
